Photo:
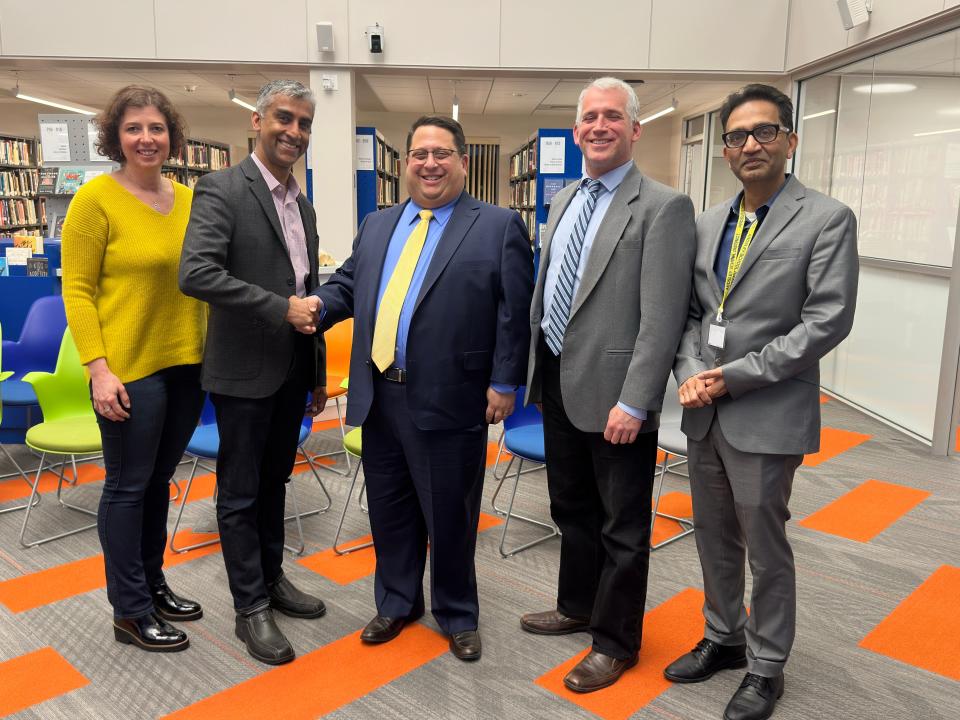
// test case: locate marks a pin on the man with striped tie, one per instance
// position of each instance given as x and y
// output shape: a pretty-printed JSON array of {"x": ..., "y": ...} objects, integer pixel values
[{"x": 608, "y": 311}]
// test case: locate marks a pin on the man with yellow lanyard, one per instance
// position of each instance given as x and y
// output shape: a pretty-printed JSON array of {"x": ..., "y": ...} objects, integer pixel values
[{"x": 775, "y": 285}]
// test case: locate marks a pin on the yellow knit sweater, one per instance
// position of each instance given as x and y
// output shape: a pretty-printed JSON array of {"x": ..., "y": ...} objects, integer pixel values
[{"x": 120, "y": 262}]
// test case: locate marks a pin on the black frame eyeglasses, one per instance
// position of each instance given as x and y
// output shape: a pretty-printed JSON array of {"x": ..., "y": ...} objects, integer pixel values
[
  {"x": 439, "y": 154},
  {"x": 763, "y": 134}
]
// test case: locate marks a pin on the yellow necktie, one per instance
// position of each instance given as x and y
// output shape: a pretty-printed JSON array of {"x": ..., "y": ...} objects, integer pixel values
[{"x": 388, "y": 316}]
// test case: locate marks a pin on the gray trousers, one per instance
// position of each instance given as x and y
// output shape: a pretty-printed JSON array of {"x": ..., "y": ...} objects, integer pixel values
[{"x": 740, "y": 512}]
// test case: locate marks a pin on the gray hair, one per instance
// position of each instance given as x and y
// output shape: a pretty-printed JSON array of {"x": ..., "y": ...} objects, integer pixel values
[
  {"x": 289, "y": 88},
  {"x": 612, "y": 83}
]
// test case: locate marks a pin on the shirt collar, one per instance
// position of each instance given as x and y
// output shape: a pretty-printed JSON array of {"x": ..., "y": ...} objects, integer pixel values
[
  {"x": 292, "y": 188},
  {"x": 763, "y": 209},
  {"x": 611, "y": 180},
  {"x": 441, "y": 214}
]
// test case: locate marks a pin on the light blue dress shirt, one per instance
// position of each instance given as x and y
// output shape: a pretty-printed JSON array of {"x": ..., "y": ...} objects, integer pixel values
[{"x": 561, "y": 237}]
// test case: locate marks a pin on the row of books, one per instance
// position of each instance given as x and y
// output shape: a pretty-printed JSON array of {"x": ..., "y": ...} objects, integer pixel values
[
  {"x": 18, "y": 182},
  {"x": 207, "y": 157},
  {"x": 65, "y": 180},
  {"x": 386, "y": 191},
  {"x": 17, "y": 211},
  {"x": 16, "y": 152},
  {"x": 524, "y": 160},
  {"x": 530, "y": 220},
  {"x": 388, "y": 159},
  {"x": 523, "y": 193}
]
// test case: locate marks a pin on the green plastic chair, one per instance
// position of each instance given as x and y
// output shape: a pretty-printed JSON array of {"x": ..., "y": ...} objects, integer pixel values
[
  {"x": 20, "y": 470},
  {"x": 69, "y": 427},
  {"x": 352, "y": 445}
]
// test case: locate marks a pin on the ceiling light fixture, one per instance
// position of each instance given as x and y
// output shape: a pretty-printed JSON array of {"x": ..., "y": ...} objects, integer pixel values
[
  {"x": 885, "y": 88},
  {"x": 18, "y": 93},
  {"x": 239, "y": 101},
  {"x": 936, "y": 132},
  {"x": 822, "y": 113},
  {"x": 660, "y": 113}
]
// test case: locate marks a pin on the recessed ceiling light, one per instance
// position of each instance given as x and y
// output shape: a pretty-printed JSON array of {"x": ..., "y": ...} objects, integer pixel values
[
  {"x": 885, "y": 88},
  {"x": 822, "y": 113},
  {"x": 190, "y": 88},
  {"x": 518, "y": 94}
]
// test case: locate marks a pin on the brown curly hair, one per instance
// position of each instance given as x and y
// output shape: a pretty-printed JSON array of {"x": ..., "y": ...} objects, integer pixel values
[{"x": 136, "y": 96}]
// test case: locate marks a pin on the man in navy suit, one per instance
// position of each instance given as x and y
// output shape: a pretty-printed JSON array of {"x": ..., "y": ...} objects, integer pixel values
[{"x": 439, "y": 288}]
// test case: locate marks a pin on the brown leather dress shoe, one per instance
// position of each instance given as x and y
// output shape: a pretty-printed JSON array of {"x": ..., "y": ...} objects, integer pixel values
[
  {"x": 553, "y": 622},
  {"x": 384, "y": 629},
  {"x": 466, "y": 644},
  {"x": 597, "y": 671}
]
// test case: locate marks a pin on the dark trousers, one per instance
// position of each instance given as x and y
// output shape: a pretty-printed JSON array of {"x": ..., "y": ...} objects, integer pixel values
[
  {"x": 600, "y": 498},
  {"x": 258, "y": 447},
  {"x": 140, "y": 455},
  {"x": 423, "y": 484}
]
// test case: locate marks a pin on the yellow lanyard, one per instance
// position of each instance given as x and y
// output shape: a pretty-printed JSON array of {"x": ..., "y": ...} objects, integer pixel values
[{"x": 738, "y": 252}]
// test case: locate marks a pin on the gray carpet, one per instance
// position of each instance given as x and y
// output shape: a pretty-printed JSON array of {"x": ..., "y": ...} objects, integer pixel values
[{"x": 845, "y": 589}]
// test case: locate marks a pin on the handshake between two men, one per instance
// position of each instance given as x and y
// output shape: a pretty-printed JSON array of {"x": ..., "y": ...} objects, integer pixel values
[{"x": 304, "y": 313}]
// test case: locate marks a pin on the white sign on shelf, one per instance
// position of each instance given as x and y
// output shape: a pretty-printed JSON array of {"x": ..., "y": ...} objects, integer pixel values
[
  {"x": 18, "y": 255},
  {"x": 364, "y": 149},
  {"x": 552, "y": 155},
  {"x": 55, "y": 140},
  {"x": 92, "y": 136}
]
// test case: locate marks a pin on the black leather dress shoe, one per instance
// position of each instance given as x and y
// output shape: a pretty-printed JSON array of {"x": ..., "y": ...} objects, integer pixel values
[
  {"x": 553, "y": 622},
  {"x": 704, "y": 660},
  {"x": 755, "y": 699},
  {"x": 171, "y": 606},
  {"x": 150, "y": 633},
  {"x": 597, "y": 671},
  {"x": 466, "y": 644},
  {"x": 384, "y": 629},
  {"x": 287, "y": 599},
  {"x": 263, "y": 638}
]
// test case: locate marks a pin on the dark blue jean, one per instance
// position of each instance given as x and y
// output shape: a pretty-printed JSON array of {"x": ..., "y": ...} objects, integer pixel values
[{"x": 140, "y": 455}]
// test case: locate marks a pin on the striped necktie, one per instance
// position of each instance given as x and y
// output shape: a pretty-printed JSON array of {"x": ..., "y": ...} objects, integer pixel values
[
  {"x": 388, "y": 316},
  {"x": 563, "y": 292}
]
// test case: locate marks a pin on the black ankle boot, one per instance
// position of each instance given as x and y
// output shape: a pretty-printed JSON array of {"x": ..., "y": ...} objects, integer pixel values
[
  {"x": 171, "y": 606},
  {"x": 150, "y": 633}
]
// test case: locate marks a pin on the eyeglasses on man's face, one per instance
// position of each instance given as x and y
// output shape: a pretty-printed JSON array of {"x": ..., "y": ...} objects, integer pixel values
[
  {"x": 439, "y": 154},
  {"x": 763, "y": 134}
]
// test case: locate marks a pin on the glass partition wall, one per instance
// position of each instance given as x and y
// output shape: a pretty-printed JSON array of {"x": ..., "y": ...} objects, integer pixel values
[{"x": 883, "y": 136}]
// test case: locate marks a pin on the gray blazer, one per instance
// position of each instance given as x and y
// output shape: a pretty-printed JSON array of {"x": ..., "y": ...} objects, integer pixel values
[
  {"x": 629, "y": 310},
  {"x": 235, "y": 258},
  {"x": 791, "y": 303}
]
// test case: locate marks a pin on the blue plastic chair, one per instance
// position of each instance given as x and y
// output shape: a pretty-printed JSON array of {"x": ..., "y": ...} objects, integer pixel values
[
  {"x": 36, "y": 350},
  {"x": 523, "y": 439},
  {"x": 20, "y": 471},
  {"x": 205, "y": 445}
]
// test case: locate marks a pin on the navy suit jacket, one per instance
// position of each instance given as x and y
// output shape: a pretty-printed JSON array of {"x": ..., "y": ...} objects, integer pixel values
[{"x": 469, "y": 326}]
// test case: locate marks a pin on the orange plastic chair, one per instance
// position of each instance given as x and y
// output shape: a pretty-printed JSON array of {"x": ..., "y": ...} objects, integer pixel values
[{"x": 339, "y": 341}]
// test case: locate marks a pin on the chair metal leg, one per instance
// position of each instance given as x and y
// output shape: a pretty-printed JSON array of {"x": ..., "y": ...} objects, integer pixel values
[
  {"x": 506, "y": 470},
  {"x": 333, "y": 453},
  {"x": 323, "y": 488},
  {"x": 20, "y": 472},
  {"x": 176, "y": 524},
  {"x": 177, "y": 486},
  {"x": 296, "y": 549},
  {"x": 686, "y": 524},
  {"x": 343, "y": 514},
  {"x": 31, "y": 503},
  {"x": 509, "y": 514}
]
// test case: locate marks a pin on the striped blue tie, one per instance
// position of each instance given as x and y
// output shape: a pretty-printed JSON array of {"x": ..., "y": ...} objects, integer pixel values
[{"x": 563, "y": 292}]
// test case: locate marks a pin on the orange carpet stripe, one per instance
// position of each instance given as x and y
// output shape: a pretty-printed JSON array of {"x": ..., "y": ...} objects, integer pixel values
[
  {"x": 833, "y": 442},
  {"x": 674, "y": 503},
  {"x": 345, "y": 569},
  {"x": 35, "y": 678},
  {"x": 956, "y": 446},
  {"x": 328, "y": 678},
  {"x": 669, "y": 630},
  {"x": 320, "y": 425},
  {"x": 824, "y": 398},
  {"x": 492, "y": 449},
  {"x": 48, "y": 586},
  {"x": 924, "y": 630},
  {"x": 17, "y": 489},
  {"x": 866, "y": 511}
]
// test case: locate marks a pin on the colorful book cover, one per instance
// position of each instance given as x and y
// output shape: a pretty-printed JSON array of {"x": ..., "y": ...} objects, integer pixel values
[
  {"x": 4, "y": 270},
  {"x": 69, "y": 180},
  {"x": 38, "y": 267},
  {"x": 47, "y": 183}
]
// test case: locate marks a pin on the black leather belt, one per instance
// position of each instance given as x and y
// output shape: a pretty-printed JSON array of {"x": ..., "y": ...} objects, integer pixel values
[{"x": 395, "y": 374}]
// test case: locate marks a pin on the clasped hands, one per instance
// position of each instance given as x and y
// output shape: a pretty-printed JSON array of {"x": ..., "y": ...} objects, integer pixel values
[
  {"x": 702, "y": 388},
  {"x": 304, "y": 313}
]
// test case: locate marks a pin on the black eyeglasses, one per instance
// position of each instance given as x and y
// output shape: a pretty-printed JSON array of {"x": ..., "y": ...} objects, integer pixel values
[
  {"x": 439, "y": 154},
  {"x": 763, "y": 134}
]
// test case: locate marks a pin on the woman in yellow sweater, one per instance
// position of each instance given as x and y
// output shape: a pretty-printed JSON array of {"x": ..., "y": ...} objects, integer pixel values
[{"x": 141, "y": 340}]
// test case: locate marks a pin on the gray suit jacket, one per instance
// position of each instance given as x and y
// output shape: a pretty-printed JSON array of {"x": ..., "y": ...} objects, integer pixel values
[
  {"x": 235, "y": 258},
  {"x": 629, "y": 310},
  {"x": 791, "y": 303}
]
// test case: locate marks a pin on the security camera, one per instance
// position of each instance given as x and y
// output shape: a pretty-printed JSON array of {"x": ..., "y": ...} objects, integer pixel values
[{"x": 375, "y": 38}]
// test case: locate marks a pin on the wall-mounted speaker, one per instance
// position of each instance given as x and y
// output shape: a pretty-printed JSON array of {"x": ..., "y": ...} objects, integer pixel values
[
  {"x": 854, "y": 12},
  {"x": 325, "y": 36}
]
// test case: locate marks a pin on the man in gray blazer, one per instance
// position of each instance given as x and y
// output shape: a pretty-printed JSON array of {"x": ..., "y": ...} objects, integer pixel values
[
  {"x": 251, "y": 253},
  {"x": 607, "y": 314},
  {"x": 774, "y": 291}
]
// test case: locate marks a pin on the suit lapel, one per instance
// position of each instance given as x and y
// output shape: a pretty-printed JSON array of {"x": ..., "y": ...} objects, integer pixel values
[
  {"x": 608, "y": 235},
  {"x": 310, "y": 237},
  {"x": 784, "y": 208},
  {"x": 258, "y": 187},
  {"x": 465, "y": 213},
  {"x": 560, "y": 203},
  {"x": 376, "y": 243},
  {"x": 710, "y": 258}
]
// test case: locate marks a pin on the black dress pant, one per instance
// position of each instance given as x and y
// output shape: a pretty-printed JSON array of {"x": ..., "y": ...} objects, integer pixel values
[
  {"x": 140, "y": 455},
  {"x": 258, "y": 448},
  {"x": 600, "y": 498},
  {"x": 423, "y": 484}
]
